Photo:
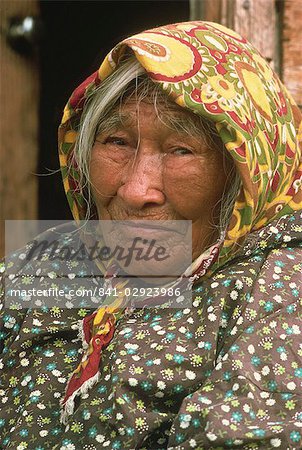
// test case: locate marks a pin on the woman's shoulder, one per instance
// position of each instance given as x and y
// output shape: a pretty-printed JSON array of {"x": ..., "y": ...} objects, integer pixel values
[
  {"x": 279, "y": 242},
  {"x": 284, "y": 232},
  {"x": 43, "y": 275},
  {"x": 260, "y": 288},
  {"x": 266, "y": 275}
]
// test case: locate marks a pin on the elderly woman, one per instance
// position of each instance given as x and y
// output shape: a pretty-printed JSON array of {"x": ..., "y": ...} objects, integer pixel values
[{"x": 185, "y": 122}]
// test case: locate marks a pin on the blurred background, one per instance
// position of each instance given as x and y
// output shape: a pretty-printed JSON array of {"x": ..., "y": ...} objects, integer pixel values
[{"x": 49, "y": 47}]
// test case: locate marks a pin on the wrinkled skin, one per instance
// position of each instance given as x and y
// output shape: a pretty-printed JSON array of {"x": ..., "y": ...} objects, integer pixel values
[{"x": 144, "y": 170}]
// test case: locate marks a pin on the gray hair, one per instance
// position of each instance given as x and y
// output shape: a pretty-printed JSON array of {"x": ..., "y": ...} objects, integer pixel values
[{"x": 131, "y": 80}]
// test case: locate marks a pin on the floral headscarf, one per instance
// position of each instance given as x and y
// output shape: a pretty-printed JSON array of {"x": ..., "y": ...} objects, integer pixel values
[{"x": 211, "y": 71}]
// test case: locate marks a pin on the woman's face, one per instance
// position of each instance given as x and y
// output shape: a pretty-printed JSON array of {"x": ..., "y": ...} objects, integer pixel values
[{"x": 144, "y": 170}]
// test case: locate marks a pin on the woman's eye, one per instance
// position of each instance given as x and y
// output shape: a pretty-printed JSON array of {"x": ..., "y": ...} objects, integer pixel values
[
  {"x": 182, "y": 151},
  {"x": 115, "y": 140}
]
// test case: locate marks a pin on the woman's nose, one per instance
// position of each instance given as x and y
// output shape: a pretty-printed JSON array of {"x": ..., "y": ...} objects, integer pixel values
[{"x": 142, "y": 182}]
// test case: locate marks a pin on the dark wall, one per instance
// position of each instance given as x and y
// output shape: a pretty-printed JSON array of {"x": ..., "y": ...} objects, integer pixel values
[{"x": 78, "y": 35}]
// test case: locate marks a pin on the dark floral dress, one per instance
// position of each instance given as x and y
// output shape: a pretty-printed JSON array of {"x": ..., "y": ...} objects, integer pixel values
[{"x": 225, "y": 373}]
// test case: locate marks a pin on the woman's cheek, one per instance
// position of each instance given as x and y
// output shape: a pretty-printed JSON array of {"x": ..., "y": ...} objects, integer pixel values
[
  {"x": 191, "y": 192},
  {"x": 105, "y": 176}
]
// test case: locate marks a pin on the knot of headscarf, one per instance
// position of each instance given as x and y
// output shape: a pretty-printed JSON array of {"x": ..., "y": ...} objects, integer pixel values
[{"x": 96, "y": 331}]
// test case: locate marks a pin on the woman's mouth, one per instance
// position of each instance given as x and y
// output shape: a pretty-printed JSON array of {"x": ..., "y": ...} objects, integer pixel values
[{"x": 153, "y": 227}]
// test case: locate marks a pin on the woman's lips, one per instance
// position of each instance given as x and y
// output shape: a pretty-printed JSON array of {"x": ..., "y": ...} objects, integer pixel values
[{"x": 149, "y": 227}]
